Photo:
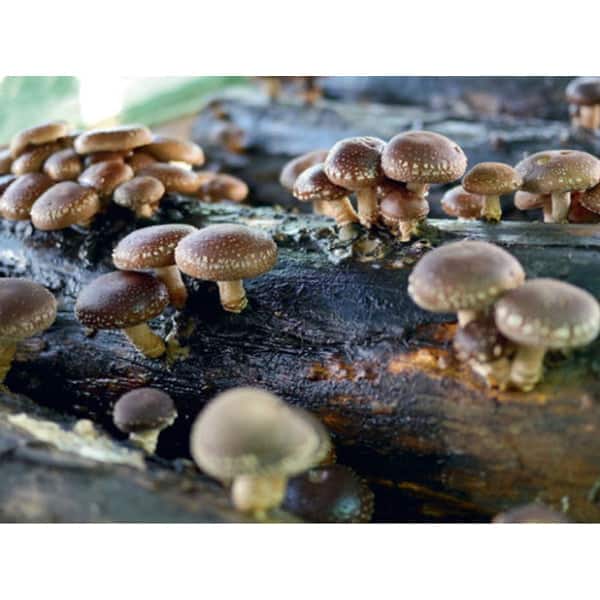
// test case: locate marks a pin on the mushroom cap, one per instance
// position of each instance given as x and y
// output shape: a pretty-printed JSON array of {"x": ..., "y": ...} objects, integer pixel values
[
  {"x": 584, "y": 91},
  {"x": 528, "y": 201},
  {"x": 121, "y": 299},
  {"x": 33, "y": 159},
  {"x": 290, "y": 171},
  {"x": 5, "y": 161},
  {"x": 174, "y": 178},
  {"x": 106, "y": 155},
  {"x": 456, "y": 202},
  {"x": 17, "y": 200},
  {"x": 548, "y": 313},
  {"x": 139, "y": 160},
  {"x": 531, "y": 513},
  {"x": 559, "y": 171},
  {"x": 423, "y": 157},
  {"x": 491, "y": 179},
  {"x": 466, "y": 275},
  {"x": 123, "y": 137},
  {"x": 104, "y": 177},
  {"x": 226, "y": 252},
  {"x": 40, "y": 134},
  {"x": 5, "y": 181},
  {"x": 150, "y": 247},
  {"x": 590, "y": 199},
  {"x": 64, "y": 204},
  {"x": 63, "y": 165},
  {"x": 138, "y": 191},
  {"x": 400, "y": 204},
  {"x": 481, "y": 340},
  {"x": 143, "y": 409},
  {"x": 330, "y": 494},
  {"x": 26, "y": 309},
  {"x": 578, "y": 213},
  {"x": 355, "y": 163},
  {"x": 166, "y": 149},
  {"x": 251, "y": 431},
  {"x": 313, "y": 184},
  {"x": 223, "y": 187}
]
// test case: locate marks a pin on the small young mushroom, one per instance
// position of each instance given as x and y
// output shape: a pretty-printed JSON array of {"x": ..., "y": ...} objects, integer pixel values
[
  {"x": 330, "y": 494},
  {"x": 491, "y": 180},
  {"x": 26, "y": 309},
  {"x": 544, "y": 314},
  {"x": 355, "y": 164},
  {"x": 113, "y": 139},
  {"x": 64, "y": 204},
  {"x": 38, "y": 135},
  {"x": 18, "y": 198},
  {"x": 292, "y": 169},
  {"x": 142, "y": 195},
  {"x": 583, "y": 94},
  {"x": 143, "y": 413},
  {"x": 464, "y": 277},
  {"x": 252, "y": 439},
  {"x": 401, "y": 210},
  {"x": 104, "y": 177},
  {"x": 227, "y": 254},
  {"x": 33, "y": 159},
  {"x": 559, "y": 172},
  {"x": 457, "y": 202},
  {"x": 222, "y": 187},
  {"x": 125, "y": 300},
  {"x": 528, "y": 201},
  {"x": 63, "y": 165},
  {"x": 313, "y": 185},
  {"x": 534, "y": 512},
  {"x": 154, "y": 248},
  {"x": 167, "y": 149},
  {"x": 419, "y": 158},
  {"x": 174, "y": 178}
]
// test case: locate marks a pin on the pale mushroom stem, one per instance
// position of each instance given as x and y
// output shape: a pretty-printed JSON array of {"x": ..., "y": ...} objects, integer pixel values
[
  {"x": 596, "y": 118},
  {"x": 527, "y": 367},
  {"x": 343, "y": 212},
  {"x": 146, "y": 440},
  {"x": 466, "y": 316},
  {"x": 233, "y": 295},
  {"x": 407, "y": 230},
  {"x": 561, "y": 201},
  {"x": 146, "y": 210},
  {"x": 586, "y": 117},
  {"x": 368, "y": 210},
  {"x": 492, "y": 211},
  {"x": 171, "y": 277},
  {"x": 7, "y": 353},
  {"x": 418, "y": 188},
  {"x": 320, "y": 208},
  {"x": 145, "y": 340},
  {"x": 547, "y": 208},
  {"x": 258, "y": 494}
]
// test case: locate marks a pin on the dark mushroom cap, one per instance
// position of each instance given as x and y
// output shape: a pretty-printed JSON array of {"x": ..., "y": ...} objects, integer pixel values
[
  {"x": 34, "y": 136},
  {"x": 150, "y": 247},
  {"x": 355, "y": 163},
  {"x": 63, "y": 165},
  {"x": 492, "y": 179},
  {"x": 292, "y": 169},
  {"x": 531, "y": 513},
  {"x": 456, "y": 202},
  {"x": 20, "y": 195},
  {"x": 138, "y": 191},
  {"x": 423, "y": 157},
  {"x": 139, "y": 160},
  {"x": 226, "y": 253},
  {"x": 331, "y": 494},
  {"x": 121, "y": 299},
  {"x": 223, "y": 187},
  {"x": 104, "y": 177},
  {"x": 174, "y": 178},
  {"x": 251, "y": 431},
  {"x": 5, "y": 181},
  {"x": 26, "y": 309},
  {"x": 590, "y": 199},
  {"x": 64, "y": 204},
  {"x": 143, "y": 409},
  {"x": 5, "y": 161},
  {"x": 105, "y": 156},
  {"x": 584, "y": 91},
  {"x": 32, "y": 160},
  {"x": 313, "y": 184},
  {"x": 480, "y": 340},
  {"x": 166, "y": 149},
  {"x": 559, "y": 171},
  {"x": 124, "y": 137},
  {"x": 466, "y": 275},
  {"x": 528, "y": 201},
  {"x": 400, "y": 204},
  {"x": 548, "y": 313},
  {"x": 578, "y": 213}
]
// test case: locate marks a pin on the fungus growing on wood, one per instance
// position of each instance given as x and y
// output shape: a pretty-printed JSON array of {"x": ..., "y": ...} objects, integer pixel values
[
  {"x": 457, "y": 202},
  {"x": 20, "y": 195},
  {"x": 105, "y": 176},
  {"x": 292, "y": 169},
  {"x": 113, "y": 139},
  {"x": 63, "y": 165},
  {"x": 401, "y": 210},
  {"x": 142, "y": 195}
]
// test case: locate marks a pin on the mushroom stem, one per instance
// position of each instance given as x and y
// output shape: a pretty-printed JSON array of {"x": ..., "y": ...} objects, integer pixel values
[
  {"x": 492, "y": 211},
  {"x": 367, "y": 206},
  {"x": 147, "y": 440},
  {"x": 7, "y": 353},
  {"x": 586, "y": 117},
  {"x": 233, "y": 295},
  {"x": 561, "y": 201},
  {"x": 407, "y": 229},
  {"x": 171, "y": 277},
  {"x": 527, "y": 367},
  {"x": 466, "y": 316},
  {"x": 343, "y": 212},
  {"x": 146, "y": 210},
  {"x": 547, "y": 208},
  {"x": 145, "y": 340},
  {"x": 257, "y": 494},
  {"x": 418, "y": 188}
]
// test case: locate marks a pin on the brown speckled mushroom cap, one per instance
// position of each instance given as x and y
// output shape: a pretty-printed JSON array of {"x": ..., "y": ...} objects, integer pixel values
[
  {"x": 226, "y": 253},
  {"x": 480, "y": 340},
  {"x": 121, "y": 299},
  {"x": 63, "y": 165},
  {"x": 150, "y": 247},
  {"x": 5, "y": 161},
  {"x": 355, "y": 163},
  {"x": 399, "y": 203},
  {"x": 19, "y": 197},
  {"x": 491, "y": 178},
  {"x": 5, "y": 181},
  {"x": 166, "y": 149},
  {"x": 466, "y": 275},
  {"x": 531, "y": 513},
  {"x": 313, "y": 184},
  {"x": 35, "y": 136},
  {"x": 33, "y": 159},
  {"x": 528, "y": 201},
  {"x": 559, "y": 171},
  {"x": 456, "y": 202},
  {"x": 143, "y": 409},
  {"x": 105, "y": 176},
  {"x": 584, "y": 91},
  {"x": 223, "y": 187},
  {"x": 124, "y": 137},
  {"x": 251, "y": 431},
  {"x": 64, "y": 204},
  {"x": 292, "y": 169},
  {"x": 138, "y": 191},
  {"x": 26, "y": 309},
  {"x": 173, "y": 177},
  {"x": 423, "y": 157},
  {"x": 590, "y": 199},
  {"x": 548, "y": 313}
]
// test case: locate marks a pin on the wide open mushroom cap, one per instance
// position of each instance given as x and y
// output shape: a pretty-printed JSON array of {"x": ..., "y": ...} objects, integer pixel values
[
  {"x": 26, "y": 309},
  {"x": 548, "y": 313},
  {"x": 491, "y": 179},
  {"x": 64, "y": 204},
  {"x": 313, "y": 184},
  {"x": 400, "y": 204},
  {"x": 584, "y": 91},
  {"x": 251, "y": 431},
  {"x": 173, "y": 177},
  {"x": 292, "y": 169},
  {"x": 143, "y": 409},
  {"x": 19, "y": 197},
  {"x": 104, "y": 177},
  {"x": 171, "y": 149},
  {"x": 138, "y": 191},
  {"x": 123, "y": 137},
  {"x": 456, "y": 202},
  {"x": 121, "y": 299},
  {"x": 423, "y": 157},
  {"x": 355, "y": 163},
  {"x": 226, "y": 252},
  {"x": 559, "y": 171},
  {"x": 40, "y": 134},
  {"x": 481, "y": 340},
  {"x": 150, "y": 247},
  {"x": 63, "y": 165},
  {"x": 466, "y": 275},
  {"x": 528, "y": 201}
]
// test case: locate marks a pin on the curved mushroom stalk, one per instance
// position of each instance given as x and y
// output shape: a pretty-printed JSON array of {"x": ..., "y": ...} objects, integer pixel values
[
  {"x": 145, "y": 340},
  {"x": 492, "y": 210},
  {"x": 233, "y": 295},
  {"x": 171, "y": 277},
  {"x": 7, "y": 353},
  {"x": 496, "y": 373},
  {"x": 561, "y": 201},
  {"x": 368, "y": 210},
  {"x": 258, "y": 494},
  {"x": 343, "y": 212},
  {"x": 146, "y": 440},
  {"x": 527, "y": 367},
  {"x": 408, "y": 229}
]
